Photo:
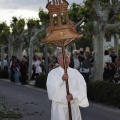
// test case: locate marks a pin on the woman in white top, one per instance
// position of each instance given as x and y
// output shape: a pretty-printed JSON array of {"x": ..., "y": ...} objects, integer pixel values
[
  {"x": 36, "y": 67},
  {"x": 106, "y": 57}
]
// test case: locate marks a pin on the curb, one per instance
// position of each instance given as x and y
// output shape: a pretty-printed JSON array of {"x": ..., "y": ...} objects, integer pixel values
[
  {"x": 104, "y": 107},
  {"x": 27, "y": 86},
  {"x": 92, "y": 104}
]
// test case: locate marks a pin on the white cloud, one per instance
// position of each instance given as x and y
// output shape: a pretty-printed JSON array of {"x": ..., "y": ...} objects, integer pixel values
[
  {"x": 23, "y": 8},
  {"x": 6, "y": 15}
]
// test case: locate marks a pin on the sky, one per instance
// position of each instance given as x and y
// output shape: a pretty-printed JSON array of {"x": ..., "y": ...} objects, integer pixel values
[{"x": 23, "y": 8}]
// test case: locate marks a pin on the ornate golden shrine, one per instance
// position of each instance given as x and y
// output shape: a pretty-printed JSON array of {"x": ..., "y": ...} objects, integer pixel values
[{"x": 61, "y": 30}]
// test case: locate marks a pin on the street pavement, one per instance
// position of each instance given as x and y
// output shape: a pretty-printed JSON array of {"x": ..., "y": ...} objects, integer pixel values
[{"x": 33, "y": 103}]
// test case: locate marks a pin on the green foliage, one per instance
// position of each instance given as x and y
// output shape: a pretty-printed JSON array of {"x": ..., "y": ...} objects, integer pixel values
[
  {"x": 32, "y": 23},
  {"x": 4, "y": 33},
  {"x": 10, "y": 115},
  {"x": 20, "y": 25},
  {"x": 17, "y": 25},
  {"x": 7, "y": 112},
  {"x": 76, "y": 13},
  {"x": 118, "y": 17},
  {"x": 4, "y": 73},
  {"x": 87, "y": 11},
  {"x": 41, "y": 81},
  {"x": 104, "y": 92},
  {"x": 44, "y": 20},
  {"x": 84, "y": 42},
  {"x": 44, "y": 16}
]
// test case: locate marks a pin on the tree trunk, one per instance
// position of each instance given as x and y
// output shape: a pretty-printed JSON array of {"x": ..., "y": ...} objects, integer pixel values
[
  {"x": 15, "y": 51},
  {"x": 116, "y": 44},
  {"x": 31, "y": 53},
  {"x": 10, "y": 48},
  {"x": 46, "y": 58},
  {"x": 20, "y": 51},
  {"x": 99, "y": 52},
  {"x": 2, "y": 57},
  {"x": 30, "y": 60}
]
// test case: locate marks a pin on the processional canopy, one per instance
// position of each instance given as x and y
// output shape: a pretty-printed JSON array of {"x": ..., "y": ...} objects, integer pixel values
[{"x": 61, "y": 31}]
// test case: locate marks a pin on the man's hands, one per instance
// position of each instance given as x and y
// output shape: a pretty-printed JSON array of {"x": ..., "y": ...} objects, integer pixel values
[
  {"x": 65, "y": 77},
  {"x": 69, "y": 97}
]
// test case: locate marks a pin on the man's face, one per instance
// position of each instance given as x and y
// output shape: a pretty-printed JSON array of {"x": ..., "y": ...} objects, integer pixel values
[
  {"x": 23, "y": 59},
  {"x": 113, "y": 52},
  {"x": 67, "y": 60}
]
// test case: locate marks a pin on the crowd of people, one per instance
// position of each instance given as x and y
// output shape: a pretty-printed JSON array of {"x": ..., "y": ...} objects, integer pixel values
[
  {"x": 18, "y": 69},
  {"x": 111, "y": 63},
  {"x": 82, "y": 61}
]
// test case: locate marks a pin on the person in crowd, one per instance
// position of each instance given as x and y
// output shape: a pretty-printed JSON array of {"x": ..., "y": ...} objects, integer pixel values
[
  {"x": 47, "y": 61},
  {"x": 36, "y": 67},
  {"x": 26, "y": 60},
  {"x": 15, "y": 70},
  {"x": 39, "y": 58},
  {"x": 92, "y": 63},
  {"x": 106, "y": 57},
  {"x": 33, "y": 68},
  {"x": 53, "y": 63},
  {"x": 11, "y": 69},
  {"x": 71, "y": 61},
  {"x": 80, "y": 57},
  {"x": 51, "y": 66},
  {"x": 113, "y": 56},
  {"x": 54, "y": 59},
  {"x": 117, "y": 73},
  {"x": 42, "y": 65},
  {"x": 76, "y": 62},
  {"x": 5, "y": 63},
  {"x": 56, "y": 88},
  {"x": 86, "y": 66},
  {"x": 23, "y": 71},
  {"x": 109, "y": 71}
]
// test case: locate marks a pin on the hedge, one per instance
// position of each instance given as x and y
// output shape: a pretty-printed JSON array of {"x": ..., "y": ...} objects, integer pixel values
[
  {"x": 104, "y": 92},
  {"x": 4, "y": 73},
  {"x": 40, "y": 81},
  {"x": 101, "y": 92}
]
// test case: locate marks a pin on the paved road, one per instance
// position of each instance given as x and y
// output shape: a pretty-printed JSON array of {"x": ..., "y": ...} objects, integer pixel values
[{"x": 34, "y": 104}]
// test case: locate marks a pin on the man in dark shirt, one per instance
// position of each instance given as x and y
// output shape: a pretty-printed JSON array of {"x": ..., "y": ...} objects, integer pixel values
[{"x": 113, "y": 56}]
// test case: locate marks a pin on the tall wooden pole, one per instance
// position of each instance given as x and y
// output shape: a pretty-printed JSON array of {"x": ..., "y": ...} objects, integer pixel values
[{"x": 67, "y": 85}]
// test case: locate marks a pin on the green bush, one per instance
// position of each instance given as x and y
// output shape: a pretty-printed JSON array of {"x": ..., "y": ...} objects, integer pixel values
[
  {"x": 104, "y": 92},
  {"x": 4, "y": 73},
  {"x": 40, "y": 81}
]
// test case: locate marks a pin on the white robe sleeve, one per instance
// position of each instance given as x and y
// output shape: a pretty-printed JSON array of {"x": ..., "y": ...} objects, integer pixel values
[
  {"x": 81, "y": 93},
  {"x": 53, "y": 87}
]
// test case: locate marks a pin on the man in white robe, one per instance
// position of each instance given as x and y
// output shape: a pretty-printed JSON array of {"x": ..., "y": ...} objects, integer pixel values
[{"x": 56, "y": 88}]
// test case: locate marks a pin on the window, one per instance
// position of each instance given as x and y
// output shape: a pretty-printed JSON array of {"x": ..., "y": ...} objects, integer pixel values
[
  {"x": 55, "y": 19},
  {"x": 63, "y": 18}
]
